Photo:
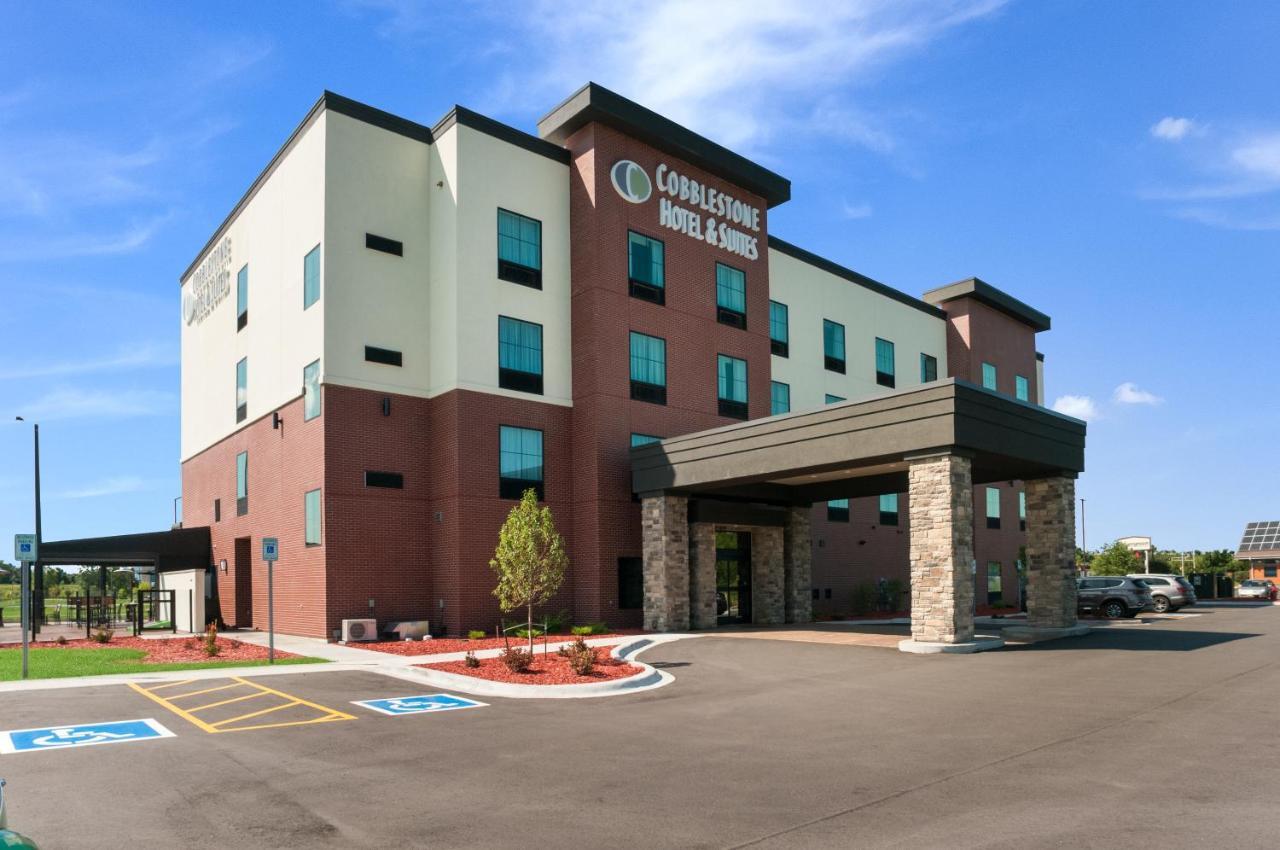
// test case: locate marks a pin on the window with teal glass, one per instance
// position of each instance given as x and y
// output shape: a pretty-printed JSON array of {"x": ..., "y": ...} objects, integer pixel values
[
  {"x": 519, "y": 461},
  {"x": 838, "y": 510},
  {"x": 242, "y": 297},
  {"x": 312, "y": 504},
  {"x": 519, "y": 239},
  {"x": 643, "y": 440},
  {"x": 1021, "y": 388},
  {"x": 648, "y": 359},
  {"x": 731, "y": 296},
  {"x": 242, "y": 389},
  {"x": 779, "y": 398},
  {"x": 833, "y": 345},
  {"x": 1022, "y": 510},
  {"x": 993, "y": 507},
  {"x": 779, "y": 333},
  {"x": 995, "y": 582},
  {"x": 928, "y": 368},
  {"x": 889, "y": 509},
  {"x": 884, "y": 363},
  {"x": 832, "y": 399},
  {"x": 519, "y": 355},
  {"x": 731, "y": 377},
  {"x": 242, "y": 483},
  {"x": 311, "y": 391},
  {"x": 989, "y": 375},
  {"x": 311, "y": 277},
  {"x": 645, "y": 260}
]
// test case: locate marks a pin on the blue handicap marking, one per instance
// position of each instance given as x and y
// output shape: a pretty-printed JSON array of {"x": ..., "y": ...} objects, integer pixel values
[
  {"x": 81, "y": 735},
  {"x": 420, "y": 704}
]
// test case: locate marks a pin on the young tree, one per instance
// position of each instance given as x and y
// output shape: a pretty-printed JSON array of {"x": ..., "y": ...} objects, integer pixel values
[
  {"x": 530, "y": 560},
  {"x": 1115, "y": 560}
]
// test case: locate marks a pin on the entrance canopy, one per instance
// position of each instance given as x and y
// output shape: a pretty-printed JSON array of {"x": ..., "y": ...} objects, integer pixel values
[
  {"x": 862, "y": 448},
  {"x": 179, "y": 549}
]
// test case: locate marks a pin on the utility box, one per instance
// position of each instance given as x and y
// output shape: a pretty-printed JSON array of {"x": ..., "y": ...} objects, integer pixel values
[{"x": 188, "y": 598}]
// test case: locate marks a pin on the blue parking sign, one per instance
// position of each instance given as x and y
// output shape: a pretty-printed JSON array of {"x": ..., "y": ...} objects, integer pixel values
[
  {"x": 81, "y": 735},
  {"x": 424, "y": 704}
]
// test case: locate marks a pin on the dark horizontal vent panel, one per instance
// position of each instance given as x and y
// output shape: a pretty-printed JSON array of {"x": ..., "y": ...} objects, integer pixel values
[
  {"x": 834, "y": 364},
  {"x": 885, "y": 379},
  {"x": 887, "y": 518},
  {"x": 242, "y": 320},
  {"x": 652, "y": 393},
  {"x": 516, "y": 273},
  {"x": 242, "y": 411},
  {"x": 781, "y": 349},
  {"x": 383, "y": 244},
  {"x": 513, "y": 488},
  {"x": 525, "y": 382},
  {"x": 648, "y": 292},
  {"x": 732, "y": 318},
  {"x": 733, "y": 409},
  {"x": 392, "y": 480},
  {"x": 383, "y": 355},
  {"x": 837, "y": 514}
]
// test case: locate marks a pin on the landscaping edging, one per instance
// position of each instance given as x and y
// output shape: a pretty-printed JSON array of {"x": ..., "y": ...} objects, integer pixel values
[{"x": 627, "y": 651}]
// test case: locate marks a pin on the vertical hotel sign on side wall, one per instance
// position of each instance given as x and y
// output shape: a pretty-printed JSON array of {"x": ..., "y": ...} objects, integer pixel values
[
  {"x": 210, "y": 284},
  {"x": 695, "y": 209}
]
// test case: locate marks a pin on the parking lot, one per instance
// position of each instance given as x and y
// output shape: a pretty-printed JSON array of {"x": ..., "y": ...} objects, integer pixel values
[{"x": 1149, "y": 735}]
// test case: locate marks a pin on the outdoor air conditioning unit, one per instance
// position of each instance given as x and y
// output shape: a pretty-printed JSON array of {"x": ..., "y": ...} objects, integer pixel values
[{"x": 355, "y": 630}]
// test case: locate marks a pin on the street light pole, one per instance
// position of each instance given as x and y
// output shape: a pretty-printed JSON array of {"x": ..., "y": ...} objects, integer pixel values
[{"x": 37, "y": 618}]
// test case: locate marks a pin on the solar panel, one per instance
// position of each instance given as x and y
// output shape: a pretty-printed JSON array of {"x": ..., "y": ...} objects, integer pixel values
[{"x": 1260, "y": 536}]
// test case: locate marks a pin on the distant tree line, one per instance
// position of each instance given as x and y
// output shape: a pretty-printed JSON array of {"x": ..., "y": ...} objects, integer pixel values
[{"x": 1116, "y": 559}]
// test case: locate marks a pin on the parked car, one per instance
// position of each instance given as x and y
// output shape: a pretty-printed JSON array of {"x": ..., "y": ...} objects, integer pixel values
[
  {"x": 1169, "y": 592},
  {"x": 9, "y": 838},
  {"x": 1112, "y": 597},
  {"x": 1256, "y": 588}
]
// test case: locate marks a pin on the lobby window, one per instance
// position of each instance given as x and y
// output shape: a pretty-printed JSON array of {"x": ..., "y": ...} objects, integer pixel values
[
  {"x": 731, "y": 296},
  {"x": 648, "y": 368},
  {"x": 884, "y": 363},
  {"x": 311, "y": 391},
  {"x": 731, "y": 383},
  {"x": 995, "y": 583},
  {"x": 311, "y": 277},
  {"x": 519, "y": 249},
  {"x": 242, "y": 483},
  {"x": 928, "y": 368},
  {"x": 242, "y": 298},
  {"x": 1021, "y": 388},
  {"x": 838, "y": 510},
  {"x": 889, "y": 509},
  {"x": 779, "y": 333},
  {"x": 630, "y": 583},
  {"x": 643, "y": 440},
  {"x": 993, "y": 507},
  {"x": 989, "y": 375},
  {"x": 519, "y": 355},
  {"x": 832, "y": 399},
  {"x": 519, "y": 462},
  {"x": 311, "y": 503},
  {"x": 779, "y": 398},
  {"x": 242, "y": 389},
  {"x": 1022, "y": 510},
  {"x": 646, "y": 268},
  {"x": 833, "y": 345}
]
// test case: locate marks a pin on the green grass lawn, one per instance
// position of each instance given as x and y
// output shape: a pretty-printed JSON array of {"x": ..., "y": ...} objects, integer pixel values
[{"x": 62, "y": 663}]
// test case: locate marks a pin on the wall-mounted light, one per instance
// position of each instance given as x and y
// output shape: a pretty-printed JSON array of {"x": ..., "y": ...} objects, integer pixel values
[
  {"x": 276, "y": 421},
  {"x": 222, "y": 565}
]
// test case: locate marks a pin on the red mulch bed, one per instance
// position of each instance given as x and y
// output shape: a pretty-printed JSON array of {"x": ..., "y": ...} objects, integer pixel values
[
  {"x": 549, "y": 669},
  {"x": 439, "y": 646},
  {"x": 171, "y": 650}
]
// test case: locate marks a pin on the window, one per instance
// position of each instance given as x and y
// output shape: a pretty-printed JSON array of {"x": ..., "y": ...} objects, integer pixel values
[
  {"x": 648, "y": 368},
  {"x": 311, "y": 502},
  {"x": 519, "y": 462},
  {"x": 242, "y": 389},
  {"x": 311, "y": 391},
  {"x": 519, "y": 249},
  {"x": 838, "y": 510},
  {"x": 989, "y": 376},
  {"x": 833, "y": 345},
  {"x": 383, "y": 244},
  {"x": 995, "y": 583},
  {"x": 630, "y": 583},
  {"x": 386, "y": 480},
  {"x": 993, "y": 507},
  {"x": 643, "y": 440},
  {"x": 1022, "y": 510},
  {"x": 646, "y": 268},
  {"x": 889, "y": 509},
  {"x": 217, "y": 510},
  {"x": 386, "y": 356},
  {"x": 1021, "y": 388},
  {"x": 779, "y": 333},
  {"x": 832, "y": 399},
  {"x": 732, "y": 386},
  {"x": 519, "y": 355},
  {"x": 1268, "y": 572},
  {"x": 311, "y": 277},
  {"x": 242, "y": 298},
  {"x": 242, "y": 483},
  {"x": 884, "y": 363},
  {"x": 779, "y": 398},
  {"x": 928, "y": 368},
  {"x": 731, "y": 296}
]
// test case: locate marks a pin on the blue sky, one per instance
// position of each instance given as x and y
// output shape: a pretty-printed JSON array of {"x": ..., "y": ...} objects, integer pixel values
[{"x": 1116, "y": 165}]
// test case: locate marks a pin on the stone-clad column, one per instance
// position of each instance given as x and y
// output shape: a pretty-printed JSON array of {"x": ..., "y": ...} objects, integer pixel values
[
  {"x": 940, "y": 501},
  {"x": 664, "y": 528},
  {"x": 767, "y": 603},
  {"x": 702, "y": 575},
  {"x": 1051, "y": 553},
  {"x": 797, "y": 565}
]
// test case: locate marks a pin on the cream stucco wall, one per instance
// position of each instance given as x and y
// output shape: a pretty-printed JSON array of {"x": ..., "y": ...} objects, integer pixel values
[
  {"x": 812, "y": 295},
  {"x": 272, "y": 233}
]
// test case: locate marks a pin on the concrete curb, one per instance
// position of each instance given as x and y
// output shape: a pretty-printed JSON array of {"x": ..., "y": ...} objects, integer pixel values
[{"x": 980, "y": 643}]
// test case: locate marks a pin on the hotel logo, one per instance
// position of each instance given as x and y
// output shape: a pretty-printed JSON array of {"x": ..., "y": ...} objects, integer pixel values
[{"x": 630, "y": 181}]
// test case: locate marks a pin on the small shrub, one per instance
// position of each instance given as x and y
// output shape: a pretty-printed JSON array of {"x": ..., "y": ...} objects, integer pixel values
[
  {"x": 475, "y": 634},
  {"x": 517, "y": 660},
  {"x": 600, "y": 628},
  {"x": 103, "y": 635},
  {"x": 470, "y": 660},
  {"x": 211, "y": 647},
  {"x": 580, "y": 630},
  {"x": 581, "y": 659},
  {"x": 555, "y": 623},
  {"x": 62, "y": 640}
]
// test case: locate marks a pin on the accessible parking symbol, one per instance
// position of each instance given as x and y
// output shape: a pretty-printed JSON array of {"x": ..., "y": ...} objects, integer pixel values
[
  {"x": 427, "y": 703},
  {"x": 81, "y": 735}
]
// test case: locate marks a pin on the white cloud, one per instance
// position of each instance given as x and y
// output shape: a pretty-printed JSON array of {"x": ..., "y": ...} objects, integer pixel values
[
  {"x": 1173, "y": 129},
  {"x": 64, "y": 247},
  {"x": 133, "y": 357},
  {"x": 852, "y": 211},
  {"x": 1130, "y": 393},
  {"x": 72, "y": 403},
  {"x": 1079, "y": 406},
  {"x": 1230, "y": 169},
  {"x": 1227, "y": 220},
  {"x": 105, "y": 487},
  {"x": 1259, "y": 155}
]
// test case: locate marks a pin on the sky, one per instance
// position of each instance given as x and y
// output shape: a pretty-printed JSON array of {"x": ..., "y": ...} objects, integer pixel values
[{"x": 1115, "y": 165}]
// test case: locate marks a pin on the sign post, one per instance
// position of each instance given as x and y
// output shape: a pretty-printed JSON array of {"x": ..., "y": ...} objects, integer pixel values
[
  {"x": 270, "y": 553},
  {"x": 24, "y": 552}
]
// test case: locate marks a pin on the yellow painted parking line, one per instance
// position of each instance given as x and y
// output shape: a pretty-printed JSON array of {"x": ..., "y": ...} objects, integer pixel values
[
  {"x": 168, "y": 685},
  {"x": 229, "y": 701},
  {"x": 286, "y": 701},
  {"x": 258, "y": 713},
  {"x": 202, "y": 691},
  {"x": 183, "y": 713},
  {"x": 340, "y": 714}
]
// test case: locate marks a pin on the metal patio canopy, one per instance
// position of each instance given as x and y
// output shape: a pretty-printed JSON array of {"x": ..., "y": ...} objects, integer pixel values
[{"x": 179, "y": 549}]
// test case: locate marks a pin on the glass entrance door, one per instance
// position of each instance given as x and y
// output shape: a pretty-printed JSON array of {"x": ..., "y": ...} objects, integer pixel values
[{"x": 733, "y": 577}]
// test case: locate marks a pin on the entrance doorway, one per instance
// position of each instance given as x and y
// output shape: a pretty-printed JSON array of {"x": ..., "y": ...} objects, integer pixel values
[
  {"x": 733, "y": 577},
  {"x": 244, "y": 583}
]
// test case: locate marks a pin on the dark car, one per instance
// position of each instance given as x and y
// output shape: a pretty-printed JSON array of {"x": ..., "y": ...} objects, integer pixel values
[
  {"x": 1169, "y": 592},
  {"x": 1113, "y": 597}
]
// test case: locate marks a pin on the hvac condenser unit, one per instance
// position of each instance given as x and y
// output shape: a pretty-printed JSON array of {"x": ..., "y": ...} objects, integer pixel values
[{"x": 355, "y": 630}]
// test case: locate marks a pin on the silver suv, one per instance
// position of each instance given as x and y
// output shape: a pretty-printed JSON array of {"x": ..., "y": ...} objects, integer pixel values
[
  {"x": 1112, "y": 597},
  {"x": 1168, "y": 592}
]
